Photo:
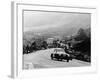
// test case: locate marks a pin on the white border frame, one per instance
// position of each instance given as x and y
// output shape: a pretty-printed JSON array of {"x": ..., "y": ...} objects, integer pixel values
[{"x": 17, "y": 11}]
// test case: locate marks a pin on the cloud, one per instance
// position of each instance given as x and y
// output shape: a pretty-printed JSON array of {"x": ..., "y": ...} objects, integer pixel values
[{"x": 35, "y": 20}]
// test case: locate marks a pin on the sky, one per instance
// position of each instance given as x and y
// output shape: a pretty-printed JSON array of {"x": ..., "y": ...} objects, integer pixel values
[{"x": 39, "y": 20}]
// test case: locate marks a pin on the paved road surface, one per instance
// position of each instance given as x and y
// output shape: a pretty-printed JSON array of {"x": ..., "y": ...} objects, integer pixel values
[{"x": 41, "y": 59}]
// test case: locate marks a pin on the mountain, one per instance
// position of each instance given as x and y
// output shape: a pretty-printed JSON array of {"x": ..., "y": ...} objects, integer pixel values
[
  {"x": 61, "y": 31},
  {"x": 88, "y": 32},
  {"x": 65, "y": 29}
]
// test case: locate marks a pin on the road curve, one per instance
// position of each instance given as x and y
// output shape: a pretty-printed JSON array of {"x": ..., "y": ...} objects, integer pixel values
[{"x": 41, "y": 59}]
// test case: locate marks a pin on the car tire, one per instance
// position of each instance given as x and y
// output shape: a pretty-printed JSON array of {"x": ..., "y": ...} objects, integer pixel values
[{"x": 51, "y": 58}]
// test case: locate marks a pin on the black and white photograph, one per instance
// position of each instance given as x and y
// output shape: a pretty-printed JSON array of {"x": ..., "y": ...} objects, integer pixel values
[{"x": 56, "y": 39}]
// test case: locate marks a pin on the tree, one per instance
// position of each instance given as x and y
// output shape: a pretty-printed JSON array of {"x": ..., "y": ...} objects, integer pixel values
[
  {"x": 33, "y": 46},
  {"x": 85, "y": 45},
  {"x": 81, "y": 35},
  {"x": 44, "y": 44}
]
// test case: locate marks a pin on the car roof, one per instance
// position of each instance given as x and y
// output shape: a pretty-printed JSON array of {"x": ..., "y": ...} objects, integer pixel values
[{"x": 58, "y": 49}]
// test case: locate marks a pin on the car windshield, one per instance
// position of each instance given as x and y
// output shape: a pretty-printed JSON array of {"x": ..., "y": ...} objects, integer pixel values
[{"x": 59, "y": 50}]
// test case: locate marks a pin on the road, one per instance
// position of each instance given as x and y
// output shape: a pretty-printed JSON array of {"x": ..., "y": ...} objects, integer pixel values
[{"x": 41, "y": 59}]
